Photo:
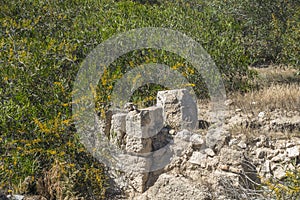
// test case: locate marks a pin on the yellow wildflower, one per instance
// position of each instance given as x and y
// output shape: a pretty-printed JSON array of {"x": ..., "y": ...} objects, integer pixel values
[{"x": 52, "y": 152}]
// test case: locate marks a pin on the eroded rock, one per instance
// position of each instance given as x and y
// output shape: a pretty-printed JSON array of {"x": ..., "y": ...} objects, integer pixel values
[
  {"x": 144, "y": 123},
  {"x": 179, "y": 109},
  {"x": 169, "y": 187},
  {"x": 292, "y": 152}
]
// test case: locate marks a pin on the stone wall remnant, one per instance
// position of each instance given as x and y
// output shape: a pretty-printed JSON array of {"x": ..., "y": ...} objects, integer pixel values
[{"x": 179, "y": 109}]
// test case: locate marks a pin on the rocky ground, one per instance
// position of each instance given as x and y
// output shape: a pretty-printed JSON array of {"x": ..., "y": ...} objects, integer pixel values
[
  {"x": 240, "y": 165},
  {"x": 259, "y": 142}
]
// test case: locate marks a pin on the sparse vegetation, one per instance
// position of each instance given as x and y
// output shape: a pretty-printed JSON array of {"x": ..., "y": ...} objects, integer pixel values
[
  {"x": 277, "y": 96},
  {"x": 287, "y": 189}
]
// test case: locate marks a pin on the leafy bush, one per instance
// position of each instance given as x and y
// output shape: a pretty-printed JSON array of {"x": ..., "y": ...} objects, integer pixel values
[{"x": 270, "y": 29}]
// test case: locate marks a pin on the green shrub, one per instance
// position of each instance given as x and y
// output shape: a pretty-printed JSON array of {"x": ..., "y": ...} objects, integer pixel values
[{"x": 270, "y": 29}]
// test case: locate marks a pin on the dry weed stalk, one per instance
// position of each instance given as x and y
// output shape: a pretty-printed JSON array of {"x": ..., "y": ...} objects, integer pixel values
[{"x": 56, "y": 184}]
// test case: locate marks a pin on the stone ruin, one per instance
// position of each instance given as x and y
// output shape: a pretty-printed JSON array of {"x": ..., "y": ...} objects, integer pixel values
[
  {"x": 230, "y": 164},
  {"x": 141, "y": 131}
]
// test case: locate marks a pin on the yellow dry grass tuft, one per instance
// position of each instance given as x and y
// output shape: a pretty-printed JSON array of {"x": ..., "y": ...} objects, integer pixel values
[
  {"x": 275, "y": 74},
  {"x": 277, "y": 96}
]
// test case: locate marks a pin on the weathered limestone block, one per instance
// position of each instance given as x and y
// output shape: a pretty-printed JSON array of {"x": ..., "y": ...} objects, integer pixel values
[
  {"x": 140, "y": 126},
  {"x": 144, "y": 123},
  {"x": 179, "y": 109},
  {"x": 198, "y": 158},
  {"x": 138, "y": 181},
  {"x": 161, "y": 158},
  {"x": 231, "y": 156},
  {"x": 168, "y": 186},
  {"x": 183, "y": 135},
  {"x": 216, "y": 138},
  {"x": 185, "y": 139},
  {"x": 196, "y": 140},
  {"x": 136, "y": 172},
  {"x": 118, "y": 128},
  {"x": 138, "y": 145},
  {"x": 135, "y": 131},
  {"x": 209, "y": 152},
  {"x": 292, "y": 152}
]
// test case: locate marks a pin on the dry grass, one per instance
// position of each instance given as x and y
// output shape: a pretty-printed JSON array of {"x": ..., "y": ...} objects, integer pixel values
[
  {"x": 276, "y": 88},
  {"x": 277, "y": 96},
  {"x": 251, "y": 134},
  {"x": 279, "y": 89},
  {"x": 275, "y": 74},
  {"x": 56, "y": 184}
]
